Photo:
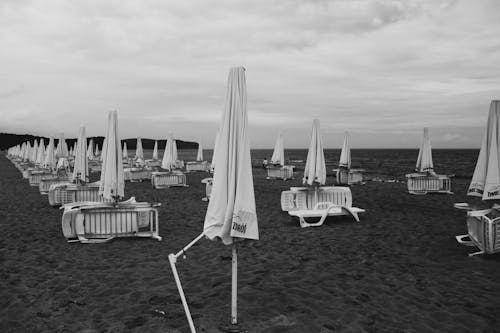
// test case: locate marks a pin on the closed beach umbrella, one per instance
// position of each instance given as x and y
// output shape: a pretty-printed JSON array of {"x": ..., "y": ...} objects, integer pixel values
[
  {"x": 174, "y": 150},
  {"x": 40, "y": 158},
  {"x": 90, "y": 150},
  {"x": 81, "y": 169},
  {"x": 96, "y": 150},
  {"x": 34, "y": 152},
  {"x": 112, "y": 182},
  {"x": 424, "y": 159},
  {"x": 50, "y": 155},
  {"x": 199, "y": 156},
  {"x": 125, "y": 152},
  {"x": 486, "y": 179},
  {"x": 102, "y": 152},
  {"x": 168, "y": 161},
  {"x": 278, "y": 156},
  {"x": 214, "y": 155},
  {"x": 345, "y": 155},
  {"x": 155, "y": 150},
  {"x": 139, "y": 154},
  {"x": 62, "y": 147},
  {"x": 27, "y": 151},
  {"x": 315, "y": 169}
]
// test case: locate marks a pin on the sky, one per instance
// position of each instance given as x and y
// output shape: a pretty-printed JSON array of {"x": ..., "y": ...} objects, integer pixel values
[{"x": 381, "y": 70}]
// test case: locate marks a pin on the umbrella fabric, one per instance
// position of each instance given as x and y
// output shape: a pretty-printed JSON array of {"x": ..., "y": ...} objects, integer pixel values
[
  {"x": 139, "y": 154},
  {"x": 486, "y": 179},
  {"x": 40, "y": 158},
  {"x": 345, "y": 155},
  {"x": 28, "y": 151},
  {"x": 102, "y": 152},
  {"x": 315, "y": 169},
  {"x": 231, "y": 210},
  {"x": 278, "y": 156},
  {"x": 125, "y": 153},
  {"x": 199, "y": 156},
  {"x": 155, "y": 150},
  {"x": 50, "y": 155},
  {"x": 90, "y": 150},
  {"x": 212, "y": 165},
  {"x": 96, "y": 150},
  {"x": 34, "y": 152},
  {"x": 80, "y": 169},
  {"x": 168, "y": 161},
  {"x": 174, "y": 150},
  {"x": 424, "y": 159},
  {"x": 62, "y": 147},
  {"x": 112, "y": 182}
]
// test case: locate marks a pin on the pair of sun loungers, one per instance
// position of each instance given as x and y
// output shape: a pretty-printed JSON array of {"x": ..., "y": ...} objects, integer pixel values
[{"x": 321, "y": 203}]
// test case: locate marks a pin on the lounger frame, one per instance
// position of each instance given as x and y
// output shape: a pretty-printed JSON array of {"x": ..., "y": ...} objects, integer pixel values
[
  {"x": 48, "y": 181},
  {"x": 136, "y": 174},
  {"x": 61, "y": 194},
  {"x": 420, "y": 184},
  {"x": 198, "y": 166},
  {"x": 349, "y": 176},
  {"x": 283, "y": 172},
  {"x": 482, "y": 232},
  {"x": 161, "y": 180}
]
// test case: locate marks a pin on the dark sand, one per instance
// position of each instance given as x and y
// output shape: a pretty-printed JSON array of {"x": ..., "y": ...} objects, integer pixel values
[{"x": 398, "y": 270}]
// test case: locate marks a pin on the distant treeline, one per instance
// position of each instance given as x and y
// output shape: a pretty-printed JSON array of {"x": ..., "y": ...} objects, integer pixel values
[{"x": 8, "y": 140}]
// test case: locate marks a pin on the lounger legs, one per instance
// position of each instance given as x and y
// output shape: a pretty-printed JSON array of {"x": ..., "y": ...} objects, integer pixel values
[{"x": 461, "y": 240}]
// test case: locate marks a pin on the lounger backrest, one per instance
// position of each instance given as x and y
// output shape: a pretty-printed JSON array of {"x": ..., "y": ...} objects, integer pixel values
[
  {"x": 336, "y": 195},
  {"x": 114, "y": 222}
]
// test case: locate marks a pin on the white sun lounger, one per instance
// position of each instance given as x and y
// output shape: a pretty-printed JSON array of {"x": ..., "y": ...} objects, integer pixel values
[
  {"x": 423, "y": 183},
  {"x": 161, "y": 180},
  {"x": 48, "y": 181},
  {"x": 197, "y": 166},
  {"x": 208, "y": 188},
  {"x": 322, "y": 210},
  {"x": 35, "y": 176},
  {"x": 65, "y": 193},
  {"x": 285, "y": 172},
  {"x": 90, "y": 222},
  {"x": 136, "y": 174},
  {"x": 349, "y": 177},
  {"x": 483, "y": 232}
]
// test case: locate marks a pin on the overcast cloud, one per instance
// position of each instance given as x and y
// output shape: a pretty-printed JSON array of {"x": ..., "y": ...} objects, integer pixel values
[{"x": 381, "y": 70}]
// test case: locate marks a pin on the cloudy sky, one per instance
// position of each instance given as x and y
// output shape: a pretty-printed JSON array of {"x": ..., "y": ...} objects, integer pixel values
[{"x": 379, "y": 69}]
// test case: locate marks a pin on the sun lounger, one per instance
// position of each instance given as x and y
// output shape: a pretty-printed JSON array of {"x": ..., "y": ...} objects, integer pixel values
[
  {"x": 153, "y": 163},
  {"x": 197, "y": 166},
  {"x": 90, "y": 222},
  {"x": 320, "y": 203},
  {"x": 61, "y": 194},
  {"x": 35, "y": 176},
  {"x": 285, "y": 172},
  {"x": 168, "y": 179},
  {"x": 349, "y": 176},
  {"x": 483, "y": 231},
  {"x": 47, "y": 181},
  {"x": 208, "y": 188},
  {"x": 136, "y": 174},
  {"x": 423, "y": 183}
]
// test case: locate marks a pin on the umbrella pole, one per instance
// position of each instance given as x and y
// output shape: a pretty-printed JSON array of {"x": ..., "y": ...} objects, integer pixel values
[{"x": 234, "y": 286}]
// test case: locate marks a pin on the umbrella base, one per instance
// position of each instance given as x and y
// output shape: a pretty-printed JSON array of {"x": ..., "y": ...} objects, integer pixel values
[{"x": 232, "y": 328}]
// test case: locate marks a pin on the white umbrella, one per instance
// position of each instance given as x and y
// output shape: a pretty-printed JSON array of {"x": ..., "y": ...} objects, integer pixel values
[
  {"x": 278, "y": 156},
  {"x": 27, "y": 151},
  {"x": 486, "y": 179},
  {"x": 212, "y": 165},
  {"x": 424, "y": 159},
  {"x": 315, "y": 169},
  {"x": 125, "y": 153},
  {"x": 199, "y": 156},
  {"x": 96, "y": 150},
  {"x": 139, "y": 154},
  {"x": 62, "y": 147},
  {"x": 169, "y": 161},
  {"x": 90, "y": 150},
  {"x": 345, "y": 155},
  {"x": 40, "y": 158},
  {"x": 81, "y": 169},
  {"x": 50, "y": 155},
  {"x": 102, "y": 152},
  {"x": 112, "y": 182},
  {"x": 155, "y": 151},
  {"x": 34, "y": 152},
  {"x": 231, "y": 212},
  {"x": 174, "y": 150}
]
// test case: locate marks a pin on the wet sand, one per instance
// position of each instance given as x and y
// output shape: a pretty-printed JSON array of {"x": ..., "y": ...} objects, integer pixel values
[{"x": 398, "y": 270}]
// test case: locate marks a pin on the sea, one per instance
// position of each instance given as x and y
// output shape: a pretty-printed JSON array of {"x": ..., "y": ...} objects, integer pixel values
[{"x": 377, "y": 163}]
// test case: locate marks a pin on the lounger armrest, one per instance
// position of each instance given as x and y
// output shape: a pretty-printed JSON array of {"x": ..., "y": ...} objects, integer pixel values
[{"x": 478, "y": 213}]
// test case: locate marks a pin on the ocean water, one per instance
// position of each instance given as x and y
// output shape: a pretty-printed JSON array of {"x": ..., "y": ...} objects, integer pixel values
[{"x": 384, "y": 163}]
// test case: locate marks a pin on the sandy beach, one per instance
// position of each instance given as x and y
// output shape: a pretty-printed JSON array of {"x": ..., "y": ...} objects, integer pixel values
[{"x": 398, "y": 270}]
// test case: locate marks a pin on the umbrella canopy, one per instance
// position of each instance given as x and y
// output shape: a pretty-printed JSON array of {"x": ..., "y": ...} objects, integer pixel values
[
  {"x": 112, "y": 182},
  {"x": 34, "y": 152},
  {"x": 155, "y": 151},
  {"x": 96, "y": 150},
  {"x": 486, "y": 179},
  {"x": 345, "y": 155},
  {"x": 279, "y": 151},
  {"x": 62, "y": 147},
  {"x": 50, "y": 155},
  {"x": 139, "y": 154},
  {"x": 40, "y": 158},
  {"x": 125, "y": 152},
  {"x": 424, "y": 159},
  {"x": 199, "y": 156},
  {"x": 90, "y": 150},
  {"x": 81, "y": 169},
  {"x": 231, "y": 210},
  {"x": 315, "y": 169},
  {"x": 168, "y": 161}
]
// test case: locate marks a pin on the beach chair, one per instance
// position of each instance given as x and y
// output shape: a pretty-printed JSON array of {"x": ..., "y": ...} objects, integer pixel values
[
  {"x": 483, "y": 231},
  {"x": 47, "y": 181},
  {"x": 208, "y": 188},
  {"x": 280, "y": 172},
  {"x": 153, "y": 163},
  {"x": 197, "y": 166},
  {"x": 423, "y": 183},
  {"x": 319, "y": 203},
  {"x": 167, "y": 179},
  {"x": 349, "y": 176},
  {"x": 136, "y": 174},
  {"x": 90, "y": 222},
  {"x": 61, "y": 194},
  {"x": 35, "y": 176}
]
